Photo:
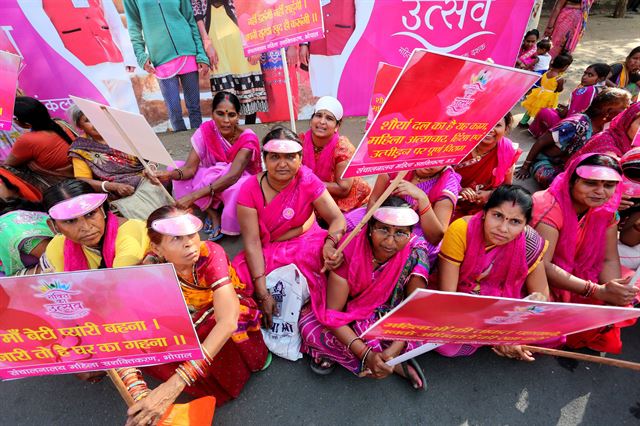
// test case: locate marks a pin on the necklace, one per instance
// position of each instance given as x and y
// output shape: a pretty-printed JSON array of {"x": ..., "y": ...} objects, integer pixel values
[
  {"x": 194, "y": 277},
  {"x": 266, "y": 175},
  {"x": 317, "y": 149}
]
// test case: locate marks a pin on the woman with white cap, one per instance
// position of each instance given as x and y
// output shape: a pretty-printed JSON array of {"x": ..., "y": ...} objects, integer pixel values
[
  {"x": 89, "y": 235},
  {"x": 327, "y": 153},
  {"x": 276, "y": 214},
  {"x": 494, "y": 253},
  {"x": 228, "y": 327},
  {"x": 578, "y": 216},
  {"x": 381, "y": 268}
]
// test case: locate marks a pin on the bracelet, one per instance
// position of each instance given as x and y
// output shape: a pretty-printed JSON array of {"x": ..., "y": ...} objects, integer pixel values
[
  {"x": 527, "y": 162},
  {"x": 211, "y": 191},
  {"x": 104, "y": 186},
  {"x": 333, "y": 239},
  {"x": 353, "y": 340},
  {"x": 180, "y": 173},
  {"x": 254, "y": 279},
  {"x": 364, "y": 358},
  {"x": 589, "y": 288},
  {"x": 134, "y": 382},
  {"x": 426, "y": 209}
]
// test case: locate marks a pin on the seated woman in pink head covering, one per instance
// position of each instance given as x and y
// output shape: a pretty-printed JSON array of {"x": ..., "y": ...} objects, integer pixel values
[
  {"x": 276, "y": 214},
  {"x": 488, "y": 165},
  {"x": 88, "y": 235},
  {"x": 433, "y": 194},
  {"x": 577, "y": 216},
  {"x": 327, "y": 153},
  {"x": 223, "y": 156},
  {"x": 228, "y": 327},
  {"x": 494, "y": 253},
  {"x": 381, "y": 268}
]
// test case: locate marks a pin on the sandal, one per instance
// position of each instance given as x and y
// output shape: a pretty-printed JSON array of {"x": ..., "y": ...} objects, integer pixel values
[
  {"x": 414, "y": 364},
  {"x": 208, "y": 226},
  {"x": 267, "y": 362},
  {"x": 215, "y": 234},
  {"x": 322, "y": 366}
]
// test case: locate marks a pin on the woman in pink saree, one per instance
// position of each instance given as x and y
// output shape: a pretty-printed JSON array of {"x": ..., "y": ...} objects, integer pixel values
[
  {"x": 278, "y": 223},
  {"x": 577, "y": 215},
  {"x": 494, "y": 253},
  {"x": 223, "y": 156},
  {"x": 382, "y": 266}
]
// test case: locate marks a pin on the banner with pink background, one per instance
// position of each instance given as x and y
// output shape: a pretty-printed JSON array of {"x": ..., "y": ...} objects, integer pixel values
[
  {"x": 436, "y": 121},
  {"x": 442, "y": 317},
  {"x": 9, "y": 68},
  {"x": 83, "y": 47},
  {"x": 93, "y": 320}
]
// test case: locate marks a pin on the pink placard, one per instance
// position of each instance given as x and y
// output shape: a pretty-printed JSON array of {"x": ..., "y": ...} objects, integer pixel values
[
  {"x": 272, "y": 24},
  {"x": 93, "y": 320},
  {"x": 385, "y": 78},
  {"x": 9, "y": 69},
  {"x": 436, "y": 121},
  {"x": 442, "y": 317}
]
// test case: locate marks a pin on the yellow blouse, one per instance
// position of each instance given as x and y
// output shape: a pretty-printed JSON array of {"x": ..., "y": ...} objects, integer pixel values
[
  {"x": 81, "y": 169},
  {"x": 132, "y": 243}
]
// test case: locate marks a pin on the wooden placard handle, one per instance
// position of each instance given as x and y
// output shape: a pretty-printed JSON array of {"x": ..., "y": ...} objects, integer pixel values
[{"x": 584, "y": 357}]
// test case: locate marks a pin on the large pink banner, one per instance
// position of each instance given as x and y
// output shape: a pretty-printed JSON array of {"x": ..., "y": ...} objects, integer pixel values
[
  {"x": 436, "y": 121},
  {"x": 93, "y": 320},
  {"x": 441, "y": 317},
  {"x": 272, "y": 24},
  {"x": 385, "y": 79},
  {"x": 9, "y": 68}
]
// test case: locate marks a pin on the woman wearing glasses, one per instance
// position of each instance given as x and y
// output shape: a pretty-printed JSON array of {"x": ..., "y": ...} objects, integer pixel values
[
  {"x": 381, "y": 267},
  {"x": 494, "y": 253}
]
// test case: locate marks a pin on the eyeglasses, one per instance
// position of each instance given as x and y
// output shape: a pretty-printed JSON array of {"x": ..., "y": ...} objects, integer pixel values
[{"x": 398, "y": 236}]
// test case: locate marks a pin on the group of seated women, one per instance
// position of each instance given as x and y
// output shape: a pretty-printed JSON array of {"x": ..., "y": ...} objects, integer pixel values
[{"x": 461, "y": 229}]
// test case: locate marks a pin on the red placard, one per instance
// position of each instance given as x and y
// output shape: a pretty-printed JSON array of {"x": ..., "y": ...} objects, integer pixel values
[
  {"x": 442, "y": 317},
  {"x": 440, "y": 107},
  {"x": 93, "y": 320}
]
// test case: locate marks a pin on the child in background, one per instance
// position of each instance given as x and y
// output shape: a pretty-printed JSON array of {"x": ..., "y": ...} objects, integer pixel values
[
  {"x": 547, "y": 95},
  {"x": 543, "y": 58},
  {"x": 592, "y": 82},
  {"x": 526, "y": 58},
  {"x": 634, "y": 85}
]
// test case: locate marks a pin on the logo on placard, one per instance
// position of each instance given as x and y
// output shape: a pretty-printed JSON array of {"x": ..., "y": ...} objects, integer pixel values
[
  {"x": 60, "y": 293},
  {"x": 461, "y": 104},
  {"x": 518, "y": 315}
]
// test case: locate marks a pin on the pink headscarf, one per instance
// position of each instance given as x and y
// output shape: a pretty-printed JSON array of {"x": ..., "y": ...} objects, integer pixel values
[
  {"x": 507, "y": 157},
  {"x": 210, "y": 144},
  {"x": 365, "y": 295},
  {"x": 74, "y": 257},
  {"x": 508, "y": 263},
  {"x": 324, "y": 167},
  {"x": 586, "y": 263},
  {"x": 614, "y": 140}
]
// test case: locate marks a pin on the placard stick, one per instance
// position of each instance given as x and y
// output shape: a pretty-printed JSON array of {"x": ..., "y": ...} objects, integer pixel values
[
  {"x": 117, "y": 382},
  {"x": 583, "y": 357},
  {"x": 129, "y": 142},
  {"x": 287, "y": 81},
  {"x": 392, "y": 186}
]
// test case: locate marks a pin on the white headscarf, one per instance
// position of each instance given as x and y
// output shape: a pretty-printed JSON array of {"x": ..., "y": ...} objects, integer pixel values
[{"x": 331, "y": 104}]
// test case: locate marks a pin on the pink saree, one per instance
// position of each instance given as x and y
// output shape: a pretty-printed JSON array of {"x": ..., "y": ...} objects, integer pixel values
[
  {"x": 372, "y": 293},
  {"x": 216, "y": 156},
  {"x": 580, "y": 249},
  {"x": 290, "y": 209}
]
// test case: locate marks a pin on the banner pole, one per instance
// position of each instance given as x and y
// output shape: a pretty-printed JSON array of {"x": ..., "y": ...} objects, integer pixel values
[
  {"x": 285, "y": 67},
  {"x": 122, "y": 390},
  {"x": 392, "y": 186},
  {"x": 133, "y": 147},
  {"x": 583, "y": 357}
]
